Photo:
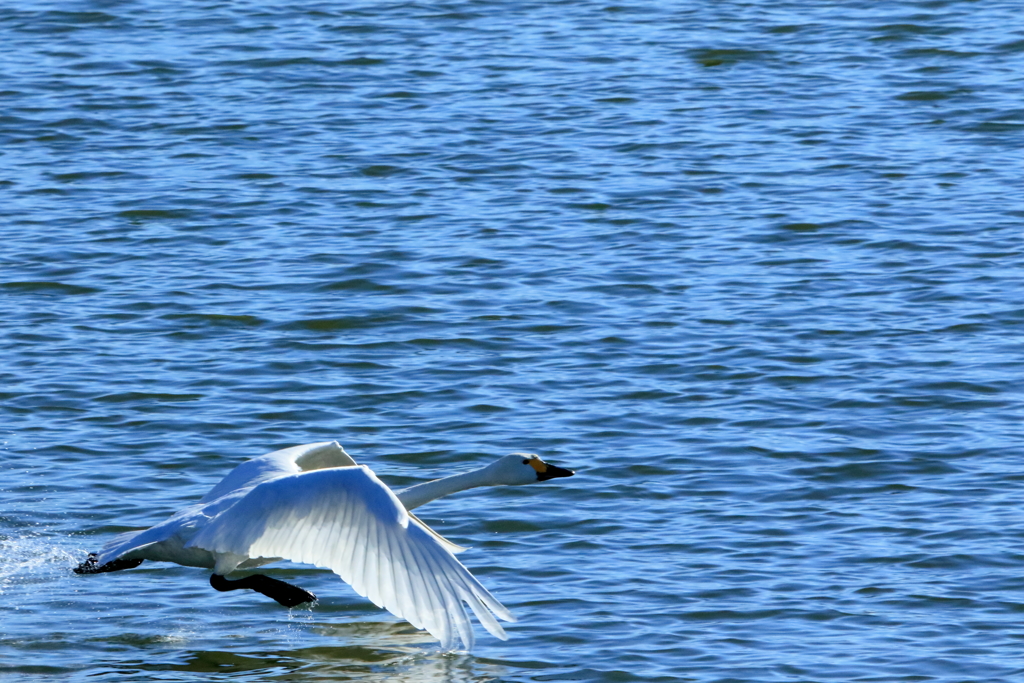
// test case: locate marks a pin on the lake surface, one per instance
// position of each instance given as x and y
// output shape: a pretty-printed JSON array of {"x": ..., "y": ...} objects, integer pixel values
[{"x": 754, "y": 269}]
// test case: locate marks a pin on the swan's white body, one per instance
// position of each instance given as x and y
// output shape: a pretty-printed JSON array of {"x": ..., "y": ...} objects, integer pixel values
[{"x": 313, "y": 504}]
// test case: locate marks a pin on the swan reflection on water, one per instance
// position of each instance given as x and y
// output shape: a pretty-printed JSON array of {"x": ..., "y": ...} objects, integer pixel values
[{"x": 376, "y": 651}]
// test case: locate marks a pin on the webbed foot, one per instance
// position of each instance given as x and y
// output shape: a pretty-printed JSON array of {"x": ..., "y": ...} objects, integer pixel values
[
  {"x": 285, "y": 593},
  {"x": 90, "y": 566}
]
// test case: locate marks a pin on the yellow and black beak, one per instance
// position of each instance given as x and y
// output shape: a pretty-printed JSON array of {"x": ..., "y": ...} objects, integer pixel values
[{"x": 547, "y": 471}]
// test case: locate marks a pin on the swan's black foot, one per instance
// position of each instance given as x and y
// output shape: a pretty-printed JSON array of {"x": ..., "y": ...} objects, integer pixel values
[
  {"x": 91, "y": 567},
  {"x": 285, "y": 593}
]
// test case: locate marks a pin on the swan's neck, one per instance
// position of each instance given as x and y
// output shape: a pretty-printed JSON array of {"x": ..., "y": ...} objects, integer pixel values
[{"x": 414, "y": 496}]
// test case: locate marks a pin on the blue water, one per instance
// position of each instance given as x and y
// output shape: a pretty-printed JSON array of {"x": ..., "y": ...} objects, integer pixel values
[{"x": 754, "y": 269}]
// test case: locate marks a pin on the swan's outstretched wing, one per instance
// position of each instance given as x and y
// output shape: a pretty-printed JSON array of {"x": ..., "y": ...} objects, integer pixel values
[
  {"x": 304, "y": 458},
  {"x": 347, "y": 520}
]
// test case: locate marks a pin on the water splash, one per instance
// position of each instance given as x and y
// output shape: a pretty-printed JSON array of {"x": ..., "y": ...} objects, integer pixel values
[{"x": 31, "y": 560}]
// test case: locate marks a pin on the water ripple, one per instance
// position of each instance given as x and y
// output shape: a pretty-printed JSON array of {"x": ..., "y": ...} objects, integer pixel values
[{"x": 752, "y": 269}]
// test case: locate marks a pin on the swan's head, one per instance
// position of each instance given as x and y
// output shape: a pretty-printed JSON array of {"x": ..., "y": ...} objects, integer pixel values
[{"x": 524, "y": 468}]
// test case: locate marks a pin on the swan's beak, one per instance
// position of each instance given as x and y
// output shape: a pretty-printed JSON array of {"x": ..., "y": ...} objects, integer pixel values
[{"x": 550, "y": 471}]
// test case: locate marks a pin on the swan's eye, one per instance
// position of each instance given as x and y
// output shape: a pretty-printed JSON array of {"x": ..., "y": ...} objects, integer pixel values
[{"x": 526, "y": 462}]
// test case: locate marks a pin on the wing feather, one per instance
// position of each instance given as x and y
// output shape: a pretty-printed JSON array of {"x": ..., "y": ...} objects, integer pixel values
[
  {"x": 337, "y": 530},
  {"x": 357, "y": 569},
  {"x": 405, "y": 593},
  {"x": 389, "y": 559},
  {"x": 347, "y": 520},
  {"x": 446, "y": 612},
  {"x": 371, "y": 575},
  {"x": 418, "y": 589},
  {"x": 348, "y": 532}
]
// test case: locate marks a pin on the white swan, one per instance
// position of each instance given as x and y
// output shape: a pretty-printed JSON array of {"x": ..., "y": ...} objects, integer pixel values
[{"x": 313, "y": 504}]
